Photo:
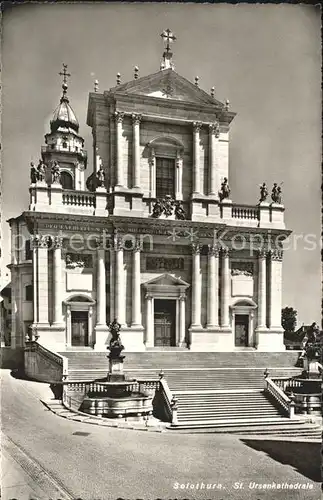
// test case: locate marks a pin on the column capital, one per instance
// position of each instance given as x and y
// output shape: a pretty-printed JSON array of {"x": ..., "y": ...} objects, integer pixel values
[
  {"x": 213, "y": 249},
  {"x": 100, "y": 242},
  {"x": 196, "y": 248},
  {"x": 136, "y": 118},
  {"x": 182, "y": 297},
  {"x": 276, "y": 254},
  {"x": 119, "y": 116},
  {"x": 197, "y": 126},
  {"x": 225, "y": 251},
  {"x": 57, "y": 242},
  {"x": 137, "y": 245},
  {"x": 40, "y": 240},
  {"x": 214, "y": 129},
  {"x": 118, "y": 242},
  {"x": 262, "y": 253}
]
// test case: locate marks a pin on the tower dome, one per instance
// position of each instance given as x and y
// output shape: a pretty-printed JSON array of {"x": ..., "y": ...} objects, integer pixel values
[{"x": 64, "y": 118}]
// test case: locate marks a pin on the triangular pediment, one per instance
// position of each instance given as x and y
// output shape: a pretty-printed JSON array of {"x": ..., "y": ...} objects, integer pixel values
[
  {"x": 166, "y": 280},
  {"x": 168, "y": 85}
]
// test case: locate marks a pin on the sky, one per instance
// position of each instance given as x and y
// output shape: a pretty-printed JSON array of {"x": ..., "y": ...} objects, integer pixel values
[{"x": 266, "y": 59}]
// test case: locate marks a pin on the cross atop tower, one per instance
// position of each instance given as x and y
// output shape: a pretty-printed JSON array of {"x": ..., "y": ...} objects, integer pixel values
[
  {"x": 168, "y": 38},
  {"x": 65, "y": 75}
]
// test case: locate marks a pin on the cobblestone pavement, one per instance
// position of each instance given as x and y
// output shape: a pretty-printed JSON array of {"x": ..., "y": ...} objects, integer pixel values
[{"x": 68, "y": 460}]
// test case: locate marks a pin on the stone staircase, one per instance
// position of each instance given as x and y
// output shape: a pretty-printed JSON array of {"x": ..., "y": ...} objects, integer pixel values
[{"x": 216, "y": 392}]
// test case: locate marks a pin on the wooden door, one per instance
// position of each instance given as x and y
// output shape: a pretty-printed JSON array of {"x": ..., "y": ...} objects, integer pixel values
[
  {"x": 241, "y": 330},
  {"x": 164, "y": 322},
  {"x": 80, "y": 328}
]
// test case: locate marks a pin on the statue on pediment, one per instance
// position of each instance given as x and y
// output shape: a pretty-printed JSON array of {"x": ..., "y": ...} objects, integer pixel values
[
  {"x": 263, "y": 192},
  {"x": 225, "y": 189},
  {"x": 56, "y": 174},
  {"x": 276, "y": 194},
  {"x": 41, "y": 171},
  {"x": 33, "y": 173},
  {"x": 100, "y": 177}
]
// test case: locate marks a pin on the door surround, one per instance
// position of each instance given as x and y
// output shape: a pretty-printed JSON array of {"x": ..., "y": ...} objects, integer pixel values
[
  {"x": 244, "y": 306},
  {"x": 78, "y": 302},
  {"x": 165, "y": 287}
]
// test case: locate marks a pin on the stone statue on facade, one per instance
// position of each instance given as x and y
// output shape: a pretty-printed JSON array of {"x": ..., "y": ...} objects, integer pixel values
[
  {"x": 276, "y": 194},
  {"x": 179, "y": 211},
  {"x": 168, "y": 203},
  {"x": 41, "y": 171},
  {"x": 157, "y": 209},
  {"x": 33, "y": 173},
  {"x": 263, "y": 192},
  {"x": 56, "y": 174},
  {"x": 100, "y": 177},
  {"x": 225, "y": 190}
]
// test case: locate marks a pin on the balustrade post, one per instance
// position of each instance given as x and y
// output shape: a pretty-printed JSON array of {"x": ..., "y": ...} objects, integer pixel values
[
  {"x": 174, "y": 410},
  {"x": 292, "y": 405}
]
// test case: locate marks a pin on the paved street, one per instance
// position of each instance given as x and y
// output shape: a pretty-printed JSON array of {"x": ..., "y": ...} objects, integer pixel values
[{"x": 107, "y": 463}]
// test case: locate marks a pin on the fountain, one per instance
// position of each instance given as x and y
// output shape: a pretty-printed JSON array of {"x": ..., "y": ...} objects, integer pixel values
[
  {"x": 116, "y": 396},
  {"x": 306, "y": 389}
]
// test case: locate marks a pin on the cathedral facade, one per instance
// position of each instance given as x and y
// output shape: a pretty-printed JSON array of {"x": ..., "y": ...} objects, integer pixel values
[{"x": 151, "y": 237}]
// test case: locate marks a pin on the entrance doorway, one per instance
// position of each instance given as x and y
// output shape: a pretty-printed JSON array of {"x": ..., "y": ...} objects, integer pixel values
[
  {"x": 80, "y": 328},
  {"x": 164, "y": 322},
  {"x": 241, "y": 330}
]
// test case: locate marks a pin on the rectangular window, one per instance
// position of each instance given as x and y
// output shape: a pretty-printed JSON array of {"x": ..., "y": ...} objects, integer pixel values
[
  {"x": 29, "y": 293},
  {"x": 28, "y": 251},
  {"x": 165, "y": 177}
]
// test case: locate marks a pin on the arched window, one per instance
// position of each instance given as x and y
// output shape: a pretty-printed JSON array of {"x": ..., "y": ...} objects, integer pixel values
[
  {"x": 29, "y": 293},
  {"x": 67, "y": 180}
]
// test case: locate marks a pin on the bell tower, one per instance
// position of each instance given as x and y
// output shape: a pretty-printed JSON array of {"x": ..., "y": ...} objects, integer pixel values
[{"x": 64, "y": 145}]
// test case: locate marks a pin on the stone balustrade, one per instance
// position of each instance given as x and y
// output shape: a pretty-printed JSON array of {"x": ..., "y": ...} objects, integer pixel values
[
  {"x": 78, "y": 198},
  {"x": 245, "y": 212},
  {"x": 286, "y": 403}
]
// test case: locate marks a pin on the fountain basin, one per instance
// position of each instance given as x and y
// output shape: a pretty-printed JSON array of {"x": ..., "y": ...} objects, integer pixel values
[
  {"x": 132, "y": 404},
  {"x": 307, "y": 397}
]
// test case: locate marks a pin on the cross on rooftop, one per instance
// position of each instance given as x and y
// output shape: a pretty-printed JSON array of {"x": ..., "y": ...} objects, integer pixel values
[
  {"x": 168, "y": 37},
  {"x": 64, "y": 74}
]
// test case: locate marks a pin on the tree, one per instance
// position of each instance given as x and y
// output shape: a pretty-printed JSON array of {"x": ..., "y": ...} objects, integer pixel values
[{"x": 289, "y": 319}]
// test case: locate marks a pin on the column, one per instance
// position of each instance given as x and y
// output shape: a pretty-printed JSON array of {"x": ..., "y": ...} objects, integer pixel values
[
  {"x": 179, "y": 177},
  {"x": 119, "y": 283},
  {"x": 57, "y": 242},
  {"x": 120, "y": 174},
  {"x": 196, "y": 157},
  {"x": 149, "y": 321},
  {"x": 213, "y": 287},
  {"x": 136, "y": 149},
  {"x": 262, "y": 307},
  {"x": 42, "y": 274},
  {"x": 35, "y": 294},
  {"x": 196, "y": 285},
  {"x": 136, "y": 290},
  {"x": 214, "y": 132},
  {"x": 275, "y": 281},
  {"x": 225, "y": 288},
  {"x": 112, "y": 284},
  {"x": 152, "y": 168},
  {"x": 68, "y": 326},
  {"x": 100, "y": 292},
  {"x": 182, "y": 321}
]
